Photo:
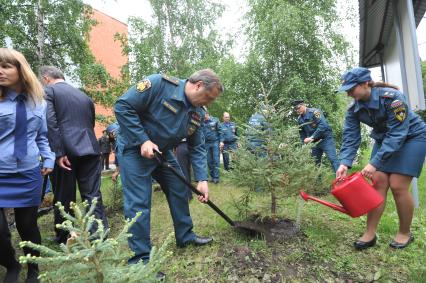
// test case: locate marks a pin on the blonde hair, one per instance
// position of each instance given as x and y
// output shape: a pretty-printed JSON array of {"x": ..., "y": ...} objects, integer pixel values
[{"x": 30, "y": 84}]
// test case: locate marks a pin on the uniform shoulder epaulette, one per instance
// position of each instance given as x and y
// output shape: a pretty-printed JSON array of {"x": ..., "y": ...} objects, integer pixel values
[{"x": 172, "y": 80}]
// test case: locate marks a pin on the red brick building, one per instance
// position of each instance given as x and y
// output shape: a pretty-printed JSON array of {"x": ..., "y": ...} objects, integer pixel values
[{"x": 108, "y": 52}]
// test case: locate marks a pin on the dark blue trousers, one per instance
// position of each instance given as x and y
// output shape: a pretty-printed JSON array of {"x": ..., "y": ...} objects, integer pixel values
[
  {"x": 213, "y": 159},
  {"x": 327, "y": 146},
  {"x": 136, "y": 172},
  {"x": 227, "y": 147},
  {"x": 182, "y": 156}
]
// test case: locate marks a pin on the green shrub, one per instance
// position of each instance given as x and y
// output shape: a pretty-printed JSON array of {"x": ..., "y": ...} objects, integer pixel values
[{"x": 93, "y": 257}]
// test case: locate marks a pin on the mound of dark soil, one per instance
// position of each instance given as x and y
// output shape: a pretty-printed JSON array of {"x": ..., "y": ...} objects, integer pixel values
[{"x": 273, "y": 231}]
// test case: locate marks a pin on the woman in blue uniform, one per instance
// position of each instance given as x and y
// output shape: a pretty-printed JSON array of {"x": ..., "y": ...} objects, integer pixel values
[
  {"x": 23, "y": 140},
  {"x": 398, "y": 153}
]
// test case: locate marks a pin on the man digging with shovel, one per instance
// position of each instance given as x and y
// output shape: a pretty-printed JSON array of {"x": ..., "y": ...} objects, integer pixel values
[{"x": 154, "y": 116}]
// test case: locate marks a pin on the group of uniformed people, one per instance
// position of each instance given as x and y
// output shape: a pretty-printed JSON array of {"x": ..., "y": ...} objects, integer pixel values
[
  {"x": 156, "y": 114},
  {"x": 398, "y": 154},
  {"x": 159, "y": 112},
  {"x": 219, "y": 137}
]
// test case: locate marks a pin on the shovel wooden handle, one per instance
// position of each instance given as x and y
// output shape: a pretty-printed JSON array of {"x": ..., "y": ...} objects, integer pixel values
[{"x": 160, "y": 158}]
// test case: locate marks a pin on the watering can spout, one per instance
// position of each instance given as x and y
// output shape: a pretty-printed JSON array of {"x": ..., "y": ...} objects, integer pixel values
[{"x": 334, "y": 206}]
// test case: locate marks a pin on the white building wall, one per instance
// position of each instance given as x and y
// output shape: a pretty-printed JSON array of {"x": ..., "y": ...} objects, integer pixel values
[{"x": 393, "y": 64}]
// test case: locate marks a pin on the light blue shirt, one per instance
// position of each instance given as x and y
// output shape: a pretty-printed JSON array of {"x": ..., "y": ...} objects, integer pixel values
[{"x": 37, "y": 143}]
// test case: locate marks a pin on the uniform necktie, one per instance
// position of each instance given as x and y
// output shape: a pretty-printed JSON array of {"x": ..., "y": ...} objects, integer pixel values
[{"x": 20, "y": 148}]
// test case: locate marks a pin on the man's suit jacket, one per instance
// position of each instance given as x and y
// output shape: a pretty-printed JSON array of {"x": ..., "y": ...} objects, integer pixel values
[{"x": 70, "y": 121}]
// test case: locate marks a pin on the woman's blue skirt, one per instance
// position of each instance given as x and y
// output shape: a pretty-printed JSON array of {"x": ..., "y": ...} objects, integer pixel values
[
  {"x": 22, "y": 189},
  {"x": 408, "y": 160}
]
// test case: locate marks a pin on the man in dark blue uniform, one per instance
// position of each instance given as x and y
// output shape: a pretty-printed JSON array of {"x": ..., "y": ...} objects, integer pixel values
[
  {"x": 229, "y": 139},
  {"x": 212, "y": 131},
  {"x": 315, "y": 128},
  {"x": 257, "y": 131},
  {"x": 155, "y": 115}
]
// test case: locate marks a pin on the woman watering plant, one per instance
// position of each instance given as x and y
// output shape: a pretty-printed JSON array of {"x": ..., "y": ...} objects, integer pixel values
[
  {"x": 398, "y": 153},
  {"x": 23, "y": 140}
]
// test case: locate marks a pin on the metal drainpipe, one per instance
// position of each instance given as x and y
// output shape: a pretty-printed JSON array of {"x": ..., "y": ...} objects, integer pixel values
[
  {"x": 416, "y": 55},
  {"x": 382, "y": 67},
  {"x": 401, "y": 52},
  {"x": 400, "y": 44}
]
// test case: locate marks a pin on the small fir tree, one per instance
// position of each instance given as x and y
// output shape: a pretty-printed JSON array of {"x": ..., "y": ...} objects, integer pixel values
[
  {"x": 92, "y": 257},
  {"x": 279, "y": 165}
]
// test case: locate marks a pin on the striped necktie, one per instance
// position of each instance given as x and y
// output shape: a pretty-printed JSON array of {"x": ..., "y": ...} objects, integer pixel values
[{"x": 20, "y": 147}]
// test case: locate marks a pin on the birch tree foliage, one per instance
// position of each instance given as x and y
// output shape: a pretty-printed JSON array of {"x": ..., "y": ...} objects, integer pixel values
[
  {"x": 178, "y": 40},
  {"x": 51, "y": 32},
  {"x": 295, "y": 51}
]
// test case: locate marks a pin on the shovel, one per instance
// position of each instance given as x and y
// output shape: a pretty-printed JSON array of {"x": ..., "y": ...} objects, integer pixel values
[
  {"x": 247, "y": 228},
  {"x": 160, "y": 158}
]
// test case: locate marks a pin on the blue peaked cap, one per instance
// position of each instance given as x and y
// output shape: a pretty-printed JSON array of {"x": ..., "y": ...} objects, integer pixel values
[{"x": 353, "y": 77}]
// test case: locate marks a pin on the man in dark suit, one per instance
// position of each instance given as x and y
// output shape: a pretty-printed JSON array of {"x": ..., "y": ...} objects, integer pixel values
[
  {"x": 105, "y": 146},
  {"x": 70, "y": 121}
]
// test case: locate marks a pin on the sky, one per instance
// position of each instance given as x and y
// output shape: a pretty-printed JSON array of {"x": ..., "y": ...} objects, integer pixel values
[{"x": 231, "y": 21}]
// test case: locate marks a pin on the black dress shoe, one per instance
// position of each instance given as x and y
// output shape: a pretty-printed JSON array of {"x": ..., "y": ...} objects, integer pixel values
[
  {"x": 201, "y": 241},
  {"x": 198, "y": 241},
  {"x": 361, "y": 245},
  {"x": 396, "y": 245}
]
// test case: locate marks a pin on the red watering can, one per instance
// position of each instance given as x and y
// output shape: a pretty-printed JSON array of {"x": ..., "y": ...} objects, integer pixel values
[{"x": 354, "y": 192}]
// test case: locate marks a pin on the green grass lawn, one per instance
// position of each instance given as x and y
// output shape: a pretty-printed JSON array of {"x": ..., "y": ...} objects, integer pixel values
[{"x": 323, "y": 252}]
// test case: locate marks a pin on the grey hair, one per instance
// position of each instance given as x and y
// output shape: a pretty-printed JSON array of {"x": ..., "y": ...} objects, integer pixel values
[
  {"x": 208, "y": 77},
  {"x": 51, "y": 72}
]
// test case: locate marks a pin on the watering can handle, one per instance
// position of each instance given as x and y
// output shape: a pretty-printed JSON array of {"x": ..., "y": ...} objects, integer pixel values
[{"x": 338, "y": 180}]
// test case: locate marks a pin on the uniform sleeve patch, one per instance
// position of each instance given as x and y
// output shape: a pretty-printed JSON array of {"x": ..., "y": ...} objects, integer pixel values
[
  {"x": 143, "y": 85},
  {"x": 400, "y": 113},
  {"x": 317, "y": 114},
  {"x": 388, "y": 94},
  {"x": 172, "y": 80},
  {"x": 396, "y": 104}
]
